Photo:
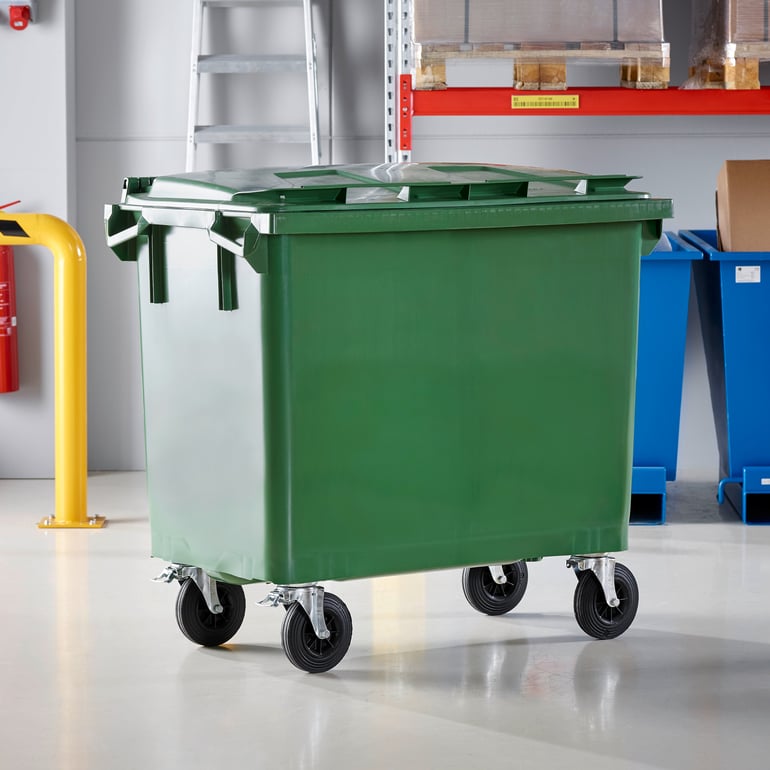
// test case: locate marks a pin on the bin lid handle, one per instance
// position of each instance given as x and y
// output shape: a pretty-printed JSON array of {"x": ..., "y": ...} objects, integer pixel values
[
  {"x": 251, "y": 246},
  {"x": 122, "y": 230}
]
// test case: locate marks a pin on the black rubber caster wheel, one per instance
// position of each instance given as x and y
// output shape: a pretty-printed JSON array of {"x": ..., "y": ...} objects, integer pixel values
[
  {"x": 491, "y": 598},
  {"x": 592, "y": 612},
  {"x": 200, "y": 625},
  {"x": 301, "y": 645}
]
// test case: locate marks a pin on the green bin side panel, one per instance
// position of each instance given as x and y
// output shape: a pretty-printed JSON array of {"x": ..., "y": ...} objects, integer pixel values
[
  {"x": 427, "y": 400},
  {"x": 473, "y": 408},
  {"x": 204, "y": 420}
]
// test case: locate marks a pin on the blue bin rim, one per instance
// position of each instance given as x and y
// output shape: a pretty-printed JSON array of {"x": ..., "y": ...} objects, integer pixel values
[
  {"x": 680, "y": 249},
  {"x": 706, "y": 241}
]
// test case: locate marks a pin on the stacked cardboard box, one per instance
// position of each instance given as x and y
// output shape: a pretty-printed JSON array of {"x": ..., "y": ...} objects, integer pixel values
[
  {"x": 537, "y": 21},
  {"x": 743, "y": 196},
  {"x": 540, "y": 35}
]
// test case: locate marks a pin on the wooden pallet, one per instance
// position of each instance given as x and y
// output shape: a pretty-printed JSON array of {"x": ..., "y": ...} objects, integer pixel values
[
  {"x": 733, "y": 73},
  {"x": 544, "y": 66}
]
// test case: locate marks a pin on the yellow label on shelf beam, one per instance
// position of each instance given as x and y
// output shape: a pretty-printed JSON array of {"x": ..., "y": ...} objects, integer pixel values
[{"x": 546, "y": 102}]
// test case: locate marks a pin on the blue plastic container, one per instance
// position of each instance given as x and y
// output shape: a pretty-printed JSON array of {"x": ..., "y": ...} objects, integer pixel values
[
  {"x": 663, "y": 303},
  {"x": 733, "y": 290}
]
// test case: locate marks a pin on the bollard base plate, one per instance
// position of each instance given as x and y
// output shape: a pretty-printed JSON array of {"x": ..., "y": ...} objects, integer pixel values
[{"x": 92, "y": 522}]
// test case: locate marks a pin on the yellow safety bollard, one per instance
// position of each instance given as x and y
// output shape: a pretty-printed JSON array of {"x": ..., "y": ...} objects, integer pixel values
[{"x": 70, "y": 401}]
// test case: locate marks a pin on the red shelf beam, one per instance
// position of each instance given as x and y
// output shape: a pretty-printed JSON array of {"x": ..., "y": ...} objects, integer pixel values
[
  {"x": 594, "y": 101},
  {"x": 585, "y": 102}
]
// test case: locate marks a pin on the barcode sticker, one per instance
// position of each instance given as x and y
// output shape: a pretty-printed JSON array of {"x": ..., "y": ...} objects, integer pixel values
[{"x": 546, "y": 102}]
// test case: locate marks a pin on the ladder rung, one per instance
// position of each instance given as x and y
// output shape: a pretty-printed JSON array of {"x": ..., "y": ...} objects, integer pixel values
[
  {"x": 224, "y": 134},
  {"x": 245, "y": 63}
]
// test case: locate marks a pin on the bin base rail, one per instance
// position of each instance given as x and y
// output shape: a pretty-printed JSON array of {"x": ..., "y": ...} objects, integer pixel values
[
  {"x": 317, "y": 628},
  {"x": 648, "y": 495},
  {"x": 754, "y": 504},
  {"x": 723, "y": 483}
]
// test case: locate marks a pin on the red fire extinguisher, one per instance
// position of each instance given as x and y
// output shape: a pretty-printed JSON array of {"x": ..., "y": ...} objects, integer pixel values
[{"x": 9, "y": 350}]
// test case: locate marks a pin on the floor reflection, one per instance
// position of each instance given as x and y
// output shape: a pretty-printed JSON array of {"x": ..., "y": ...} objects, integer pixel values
[{"x": 72, "y": 642}]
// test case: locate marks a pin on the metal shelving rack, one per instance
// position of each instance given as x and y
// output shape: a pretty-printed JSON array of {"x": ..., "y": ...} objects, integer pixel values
[
  {"x": 399, "y": 70},
  {"x": 403, "y": 102}
]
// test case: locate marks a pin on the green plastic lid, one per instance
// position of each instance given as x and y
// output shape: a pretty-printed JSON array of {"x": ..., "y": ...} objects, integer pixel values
[
  {"x": 370, "y": 184},
  {"x": 238, "y": 207}
]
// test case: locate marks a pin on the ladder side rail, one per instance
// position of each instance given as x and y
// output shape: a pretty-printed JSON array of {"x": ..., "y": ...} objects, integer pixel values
[
  {"x": 194, "y": 95},
  {"x": 312, "y": 83}
]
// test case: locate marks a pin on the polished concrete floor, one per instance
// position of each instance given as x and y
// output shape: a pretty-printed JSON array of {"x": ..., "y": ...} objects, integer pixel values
[{"x": 95, "y": 674}]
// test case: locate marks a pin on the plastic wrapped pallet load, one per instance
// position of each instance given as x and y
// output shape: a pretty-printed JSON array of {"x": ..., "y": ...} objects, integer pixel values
[
  {"x": 729, "y": 38},
  {"x": 534, "y": 32}
]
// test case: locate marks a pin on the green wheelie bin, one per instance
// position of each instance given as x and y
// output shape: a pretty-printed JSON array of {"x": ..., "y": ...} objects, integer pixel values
[{"x": 352, "y": 371}]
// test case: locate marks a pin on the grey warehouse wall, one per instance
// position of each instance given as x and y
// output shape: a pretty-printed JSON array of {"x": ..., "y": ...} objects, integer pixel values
[
  {"x": 37, "y": 157},
  {"x": 129, "y": 98}
]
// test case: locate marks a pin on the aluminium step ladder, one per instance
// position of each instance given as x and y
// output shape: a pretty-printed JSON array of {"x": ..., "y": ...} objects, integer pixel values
[{"x": 230, "y": 64}]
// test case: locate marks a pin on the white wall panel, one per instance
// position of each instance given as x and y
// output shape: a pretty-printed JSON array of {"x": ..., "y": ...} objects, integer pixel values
[
  {"x": 131, "y": 68},
  {"x": 36, "y": 152}
]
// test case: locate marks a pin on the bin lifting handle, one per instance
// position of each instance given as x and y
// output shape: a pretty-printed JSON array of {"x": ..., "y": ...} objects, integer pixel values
[
  {"x": 253, "y": 248},
  {"x": 122, "y": 230}
]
